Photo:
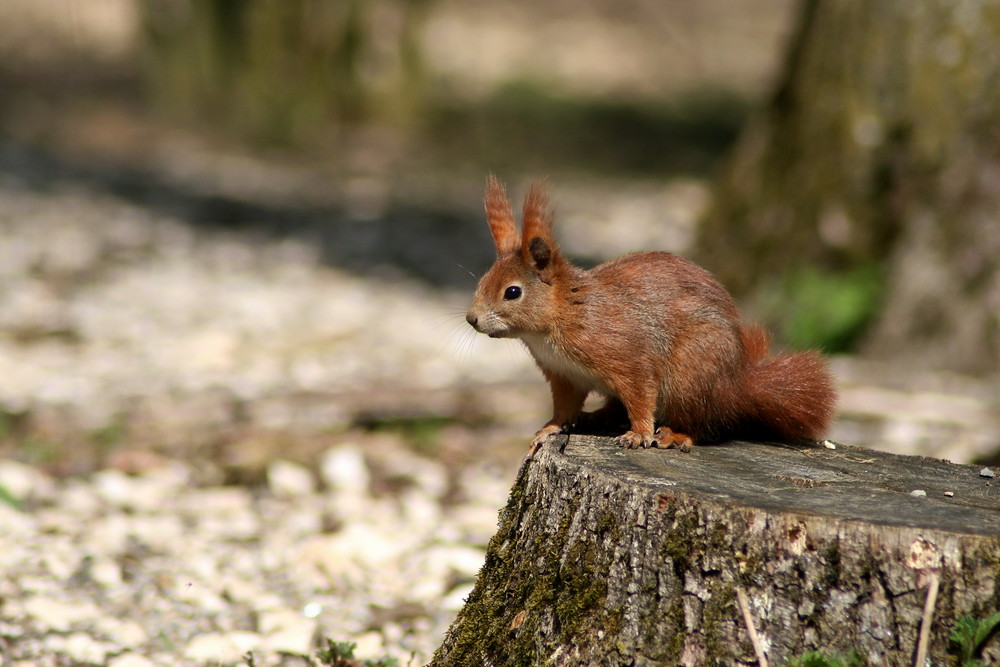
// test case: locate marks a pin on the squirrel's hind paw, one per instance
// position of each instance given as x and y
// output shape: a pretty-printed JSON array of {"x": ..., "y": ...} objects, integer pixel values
[{"x": 670, "y": 440}]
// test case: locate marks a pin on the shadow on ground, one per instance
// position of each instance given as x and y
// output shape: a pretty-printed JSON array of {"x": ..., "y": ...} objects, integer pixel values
[{"x": 403, "y": 241}]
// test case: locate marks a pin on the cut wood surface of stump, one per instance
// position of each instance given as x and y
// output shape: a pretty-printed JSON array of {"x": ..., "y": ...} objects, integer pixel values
[{"x": 731, "y": 554}]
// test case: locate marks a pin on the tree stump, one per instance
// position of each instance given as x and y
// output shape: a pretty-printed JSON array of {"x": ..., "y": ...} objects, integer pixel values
[{"x": 729, "y": 554}]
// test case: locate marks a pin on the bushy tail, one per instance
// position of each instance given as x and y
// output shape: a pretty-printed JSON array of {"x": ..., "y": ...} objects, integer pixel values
[{"x": 791, "y": 396}]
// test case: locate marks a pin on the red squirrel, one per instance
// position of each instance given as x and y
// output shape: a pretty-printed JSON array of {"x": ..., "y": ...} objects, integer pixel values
[{"x": 654, "y": 333}]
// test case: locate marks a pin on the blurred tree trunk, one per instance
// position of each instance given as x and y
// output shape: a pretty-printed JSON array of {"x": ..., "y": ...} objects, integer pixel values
[
  {"x": 867, "y": 192},
  {"x": 276, "y": 70}
]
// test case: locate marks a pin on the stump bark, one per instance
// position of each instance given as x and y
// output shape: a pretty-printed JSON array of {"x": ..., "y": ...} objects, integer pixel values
[{"x": 613, "y": 557}]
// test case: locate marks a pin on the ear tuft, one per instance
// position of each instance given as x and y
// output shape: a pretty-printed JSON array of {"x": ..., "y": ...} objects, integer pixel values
[
  {"x": 537, "y": 217},
  {"x": 538, "y": 246},
  {"x": 500, "y": 216}
]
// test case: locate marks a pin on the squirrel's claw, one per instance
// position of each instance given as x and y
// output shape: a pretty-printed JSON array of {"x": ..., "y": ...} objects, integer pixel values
[
  {"x": 541, "y": 438},
  {"x": 532, "y": 450},
  {"x": 663, "y": 438},
  {"x": 633, "y": 440}
]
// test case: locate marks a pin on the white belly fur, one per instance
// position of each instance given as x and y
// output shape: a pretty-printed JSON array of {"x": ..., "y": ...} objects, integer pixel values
[{"x": 555, "y": 361}]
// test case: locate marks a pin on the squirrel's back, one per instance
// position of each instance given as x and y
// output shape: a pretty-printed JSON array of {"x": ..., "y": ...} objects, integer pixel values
[
  {"x": 664, "y": 277},
  {"x": 720, "y": 380}
]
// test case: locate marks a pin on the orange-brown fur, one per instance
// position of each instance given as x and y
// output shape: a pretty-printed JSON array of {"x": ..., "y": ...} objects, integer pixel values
[{"x": 650, "y": 330}]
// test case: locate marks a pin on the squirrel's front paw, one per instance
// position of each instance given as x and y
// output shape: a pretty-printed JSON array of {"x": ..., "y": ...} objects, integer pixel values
[
  {"x": 545, "y": 433},
  {"x": 541, "y": 438},
  {"x": 633, "y": 440}
]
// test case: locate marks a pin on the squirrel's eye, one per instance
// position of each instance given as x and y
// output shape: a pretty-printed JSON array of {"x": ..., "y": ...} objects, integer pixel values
[{"x": 511, "y": 293}]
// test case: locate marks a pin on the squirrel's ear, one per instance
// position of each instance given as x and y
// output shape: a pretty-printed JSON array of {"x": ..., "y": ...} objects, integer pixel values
[
  {"x": 500, "y": 216},
  {"x": 538, "y": 246}
]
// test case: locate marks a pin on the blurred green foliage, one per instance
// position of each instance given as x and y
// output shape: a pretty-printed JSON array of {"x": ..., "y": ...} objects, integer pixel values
[
  {"x": 9, "y": 498},
  {"x": 422, "y": 433},
  {"x": 826, "y": 309},
  {"x": 969, "y": 637}
]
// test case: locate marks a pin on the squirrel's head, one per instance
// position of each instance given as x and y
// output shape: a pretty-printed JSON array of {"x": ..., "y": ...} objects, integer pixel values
[{"x": 516, "y": 295}]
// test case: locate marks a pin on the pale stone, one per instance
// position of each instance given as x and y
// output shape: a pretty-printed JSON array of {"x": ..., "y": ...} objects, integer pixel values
[
  {"x": 200, "y": 595},
  {"x": 420, "y": 510},
  {"x": 220, "y": 500},
  {"x": 60, "y": 615},
  {"x": 430, "y": 476},
  {"x": 427, "y": 589},
  {"x": 370, "y": 646},
  {"x": 269, "y": 622},
  {"x": 241, "y": 590},
  {"x": 287, "y": 632},
  {"x": 60, "y": 565},
  {"x": 131, "y": 660},
  {"x": 439, "y": 564},
  {"x": 485, "y": 487},
  {"x": 162, "y": 533},
  {"x": 455, "y": 599},
  {"x": 78, "y": 499},
  {"x": 114, "y": 487},
  {"x": 289, "y": 479},
  {"x": 475, "y": 524},
  {"x": 10, "y": 631},
  {"x": 36, "y": 586},
  {"x": 463, "y": 560},
  {"x": 392, "y": 633},
  {"x": 226, "y": 512},
  {"x": 14, "y": 522},
  {"x": 352, "y": 551},
  {"x": 83, "y": 648},
  {"x": 57, "y": 521},
  {"x": 24, "y": 481},
  {"x": 154, "y": 490},
  {"x": 122, "y": 632},
  {"x": 217, "y": 647},
  {"x": 235, "y": 525},
  {"x": 106, "y": 572},
  {"x": 344, "y": 469},
  {"x": 303, "y": 521},
  {"x": 266, "y": 602},
  {"x": 110, "y": 534}
]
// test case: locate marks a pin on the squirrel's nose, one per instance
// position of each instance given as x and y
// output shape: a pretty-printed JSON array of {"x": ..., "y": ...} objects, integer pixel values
[{"x": 471, "y": 319}]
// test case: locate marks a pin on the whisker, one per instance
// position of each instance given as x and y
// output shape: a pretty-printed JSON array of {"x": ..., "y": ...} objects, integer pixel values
[
  {"x": 467, "y": 271},
  {"x": 459, "y": 338}
]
